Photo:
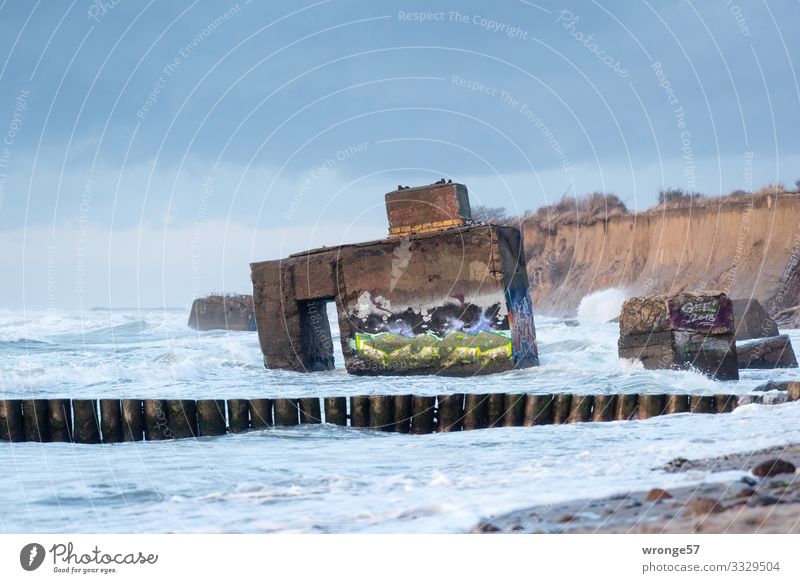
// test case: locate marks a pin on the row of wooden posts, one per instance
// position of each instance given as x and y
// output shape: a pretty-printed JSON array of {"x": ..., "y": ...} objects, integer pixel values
[{"x": 115, "y": 420}]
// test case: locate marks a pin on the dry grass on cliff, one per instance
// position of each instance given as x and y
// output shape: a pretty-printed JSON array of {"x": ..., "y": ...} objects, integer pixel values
[
  {"x": 586, "y": 210},
  {"x": 676, "y": 198},
  {"x": 600, "y": 206}
]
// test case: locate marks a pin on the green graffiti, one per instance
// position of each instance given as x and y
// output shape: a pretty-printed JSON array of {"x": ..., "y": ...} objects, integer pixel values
[{"x": 428, "y": 349}]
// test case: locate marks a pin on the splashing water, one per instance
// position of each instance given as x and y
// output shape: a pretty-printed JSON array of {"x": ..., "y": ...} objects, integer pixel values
[
  {"x": 323, "y": 478},
  {"x": 601, "y": 306}
]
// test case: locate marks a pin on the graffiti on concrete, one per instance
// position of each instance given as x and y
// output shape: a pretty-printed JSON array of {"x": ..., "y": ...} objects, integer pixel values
[
  {"x": 521, "y": 322},
  {"x": 387, "y": 349},
  {"x": 701, "y": 314}
]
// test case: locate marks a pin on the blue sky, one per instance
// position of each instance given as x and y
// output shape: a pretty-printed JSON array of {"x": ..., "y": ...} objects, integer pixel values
[{"x": 152, "y": 150}]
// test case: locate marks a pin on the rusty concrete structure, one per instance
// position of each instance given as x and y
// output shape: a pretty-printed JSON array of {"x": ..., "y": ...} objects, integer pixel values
[
  {"x": 223, "y": 312},
  {"x": 681, "y": 331},
  {"x": 440, "y": 295}
]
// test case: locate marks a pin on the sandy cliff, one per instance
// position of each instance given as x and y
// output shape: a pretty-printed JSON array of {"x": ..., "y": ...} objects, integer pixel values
[{"x": 746, "y": 248}]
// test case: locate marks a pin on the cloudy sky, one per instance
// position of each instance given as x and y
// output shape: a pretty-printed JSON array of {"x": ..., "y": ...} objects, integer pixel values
[{"x": 151, "y": 150}]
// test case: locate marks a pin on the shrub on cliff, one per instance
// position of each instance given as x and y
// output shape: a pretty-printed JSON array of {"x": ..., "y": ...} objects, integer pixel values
[
  {"x": 586, "y": 210},
  {"x": 677, "y": 198}
]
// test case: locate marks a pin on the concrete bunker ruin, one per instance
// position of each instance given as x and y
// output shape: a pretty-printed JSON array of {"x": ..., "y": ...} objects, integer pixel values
[
  {"x": 440, "y": 295},
  {"x": 681, "y": 331}
]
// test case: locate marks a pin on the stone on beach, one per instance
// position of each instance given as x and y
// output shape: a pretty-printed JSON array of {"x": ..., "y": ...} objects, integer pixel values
[{"x": 773, "y": 467}]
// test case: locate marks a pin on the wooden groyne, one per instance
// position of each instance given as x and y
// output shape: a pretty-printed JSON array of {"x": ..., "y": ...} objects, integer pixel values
[{"x": 120, "y": 420}]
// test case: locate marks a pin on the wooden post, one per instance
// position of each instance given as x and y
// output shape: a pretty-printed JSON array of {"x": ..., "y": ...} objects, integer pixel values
[
  {"x": 538, "y": 410},
  {"x": 451, "y": 412},
  {"x": 359, "y": 411},
  {"x": 110, "y": 421},
  {"x": 260, "y": 413},
  {"x": 380, "y": 412},
  {"x": 211, "y": 417},
  {"x": 677, "y": 404},
  {"x": 401, "y": 413},
  {"x": 287, "y": 413},
  {"x": 59, "y": 419},
  {"x": 701, "y": 404},
  {"x": 561, "y": 408},
  {"x": 476, "y": 411},
  {"x": 496, "y": 407},
  {"x": 182, "y": 418},
  {"x": 87, "y": 429},
  {"x": 336, "y": 410},
  {"x": 726, "y": 403},
  {"x": 515, "y": 410},
  {"x": 156, "y": 425},
  {"x": 626, "y": 407},
  {"x": 310, "y": 411},
  {"x": 580, "y": 410},
  {"x": 604, "y": 408},
  {"x": 11, "y": 426},
  {"x": 238, "y": 415},
  {"x": 132, "y": 420},
  {"x": 651, "y": 405},
  {"x": 34, "y": 420},
  {"x": 422, "y": 414}
]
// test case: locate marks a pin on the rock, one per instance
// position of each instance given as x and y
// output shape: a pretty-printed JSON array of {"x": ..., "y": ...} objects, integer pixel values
[
  {"x": 700, "y": 505},
  {"x": 657, "y": 494},
  {"x": 773, "y": 467},
  {"x": 745, "y": 493},
  {"x": 769, "y": 386},
  {"x": 775, "y": 352},
  {"x": 752, "y": 321},
  {"x": 748, "y": 480},
  {"x": 571, "y": 323},
  {"x": 218, "y": 312},
  {"x": 566, "y": 518},
  {"x": 676, "y": 464},
  {"x": 762, "y": 500},
  {"x": 680, "y": 331}
]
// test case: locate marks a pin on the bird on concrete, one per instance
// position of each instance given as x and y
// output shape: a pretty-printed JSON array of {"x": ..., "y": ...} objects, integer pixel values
[
  {"x": 439, "y": 181},
  {"x": 449, "y": 182}
]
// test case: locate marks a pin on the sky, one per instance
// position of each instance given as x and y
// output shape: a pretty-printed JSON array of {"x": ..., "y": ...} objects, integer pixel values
[{"x": 151, "y": 150}]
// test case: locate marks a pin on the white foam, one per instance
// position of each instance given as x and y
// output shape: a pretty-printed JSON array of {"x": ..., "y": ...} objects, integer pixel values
[{"x": 601, "y": 306}]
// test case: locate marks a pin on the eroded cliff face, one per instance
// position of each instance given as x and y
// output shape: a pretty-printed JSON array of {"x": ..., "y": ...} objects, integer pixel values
[{"x": 743, "y": 248}]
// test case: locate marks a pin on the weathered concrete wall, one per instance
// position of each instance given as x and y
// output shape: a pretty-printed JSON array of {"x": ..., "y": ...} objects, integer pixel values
[
  {"x": 451, "y": 302},
  {"x": 687, "y": 330},
  {"x": 772, "y": 352},
  {"x": 434, "y": 304},
  {"x": 218, "y": 312},
  {"x": 745, "y": 249},
  {"x": 752, "y": 320}
]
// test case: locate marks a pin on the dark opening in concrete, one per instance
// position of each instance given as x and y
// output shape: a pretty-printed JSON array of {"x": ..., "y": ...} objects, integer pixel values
[{"x": 316, "y": 334}]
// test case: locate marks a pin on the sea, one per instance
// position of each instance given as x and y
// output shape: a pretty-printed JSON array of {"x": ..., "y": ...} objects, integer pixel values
[{"x": 324, "y": 478}]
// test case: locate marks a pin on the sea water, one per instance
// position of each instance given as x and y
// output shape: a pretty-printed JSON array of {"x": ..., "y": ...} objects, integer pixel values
[{"x": 324, "y": 478}]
